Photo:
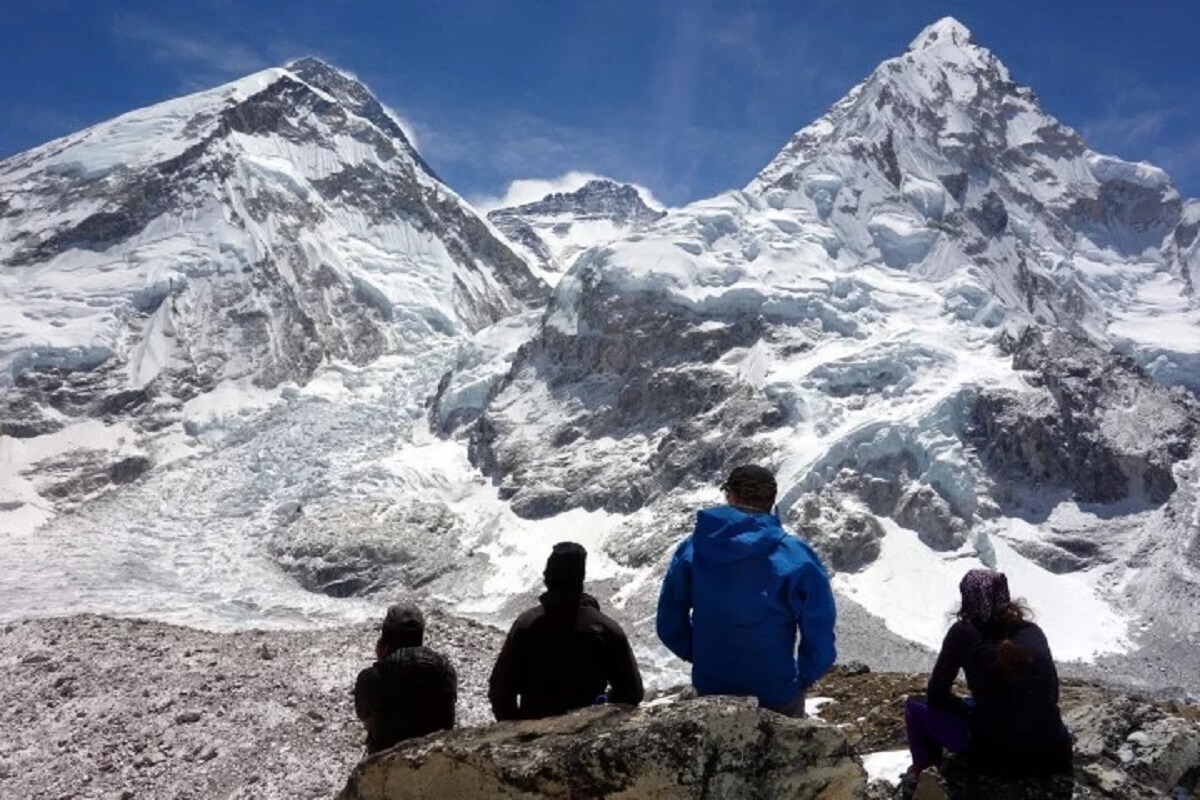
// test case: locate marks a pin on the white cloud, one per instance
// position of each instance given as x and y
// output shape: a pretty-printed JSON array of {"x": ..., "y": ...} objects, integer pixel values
[
  {"x": 530, "y": 190},
  {"x": 406, "y": 125},
  {"x": 188, "y": 49}
]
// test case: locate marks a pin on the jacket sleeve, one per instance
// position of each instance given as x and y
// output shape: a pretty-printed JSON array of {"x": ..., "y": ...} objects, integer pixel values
[
  {"x": 812, "y": 604},
  {"x": 674, "y": 621},
  {"x": 367, "y": 696},
  {"x": 949, "y": 661},
  {"x": 624, "y": 676},
  {"x": 504, "y": 684},
  {"x": 450, "y": 708}
]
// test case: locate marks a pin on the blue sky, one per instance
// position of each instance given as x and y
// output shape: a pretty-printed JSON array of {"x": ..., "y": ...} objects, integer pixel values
[{"x": 686, "y": 98}]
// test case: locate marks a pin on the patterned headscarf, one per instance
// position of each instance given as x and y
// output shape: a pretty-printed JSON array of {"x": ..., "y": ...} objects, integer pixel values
[{"x": 983, "y": 592}]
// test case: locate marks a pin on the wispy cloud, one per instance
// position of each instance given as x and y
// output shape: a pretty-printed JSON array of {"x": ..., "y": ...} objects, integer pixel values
[
  {"x": 27, "y": 125},
  {"x": 1144, "y": 122},
  {"x": 201, "y": 55},
  {"x": 1123, "y": 130},
  {"x": 494, "y": 145}
]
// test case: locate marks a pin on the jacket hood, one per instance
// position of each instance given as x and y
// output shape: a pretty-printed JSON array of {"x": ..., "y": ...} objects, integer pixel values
[
  {"x": 728, "y": 533},
  {"x": 396, "y": 661},
  {"x": 558, "y": 602}
]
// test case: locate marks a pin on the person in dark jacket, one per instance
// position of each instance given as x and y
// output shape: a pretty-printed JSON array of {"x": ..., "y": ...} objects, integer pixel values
[
  {"x": 1011, "y": 726},
  {"x": 563, "y": 654},
  {"x": 410, "y": 690},
  {"x": 737, "y": 592}
]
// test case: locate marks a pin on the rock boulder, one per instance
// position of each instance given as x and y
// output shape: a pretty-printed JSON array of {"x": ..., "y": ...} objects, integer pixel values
[{"x": 714, "y": 747}]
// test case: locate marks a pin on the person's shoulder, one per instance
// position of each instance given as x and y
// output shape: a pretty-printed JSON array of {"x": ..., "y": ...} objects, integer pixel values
[
  {"x": 964, "y": 631},
  {"x": 418, "y": 658},
  {"x": 1030, "y": 631},
  {"x": 609, "y": 624},
  {"x": 527, "y": 620},
  {"x": 368, "y": 676},
  {"x": 797, "y": 553},
  {"x": 439, "y": 659},
  {"x": 529, "y": 616}
]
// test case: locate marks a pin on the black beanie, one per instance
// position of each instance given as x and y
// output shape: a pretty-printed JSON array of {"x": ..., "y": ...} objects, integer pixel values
[{"x": 566, "y": 566}]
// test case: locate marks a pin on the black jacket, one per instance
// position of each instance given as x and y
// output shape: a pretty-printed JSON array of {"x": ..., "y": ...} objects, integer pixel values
[
  {"x": 409, "y": 693},
  {"x": 560, "y": 656},
  {"x": 1015, "y": 726}
]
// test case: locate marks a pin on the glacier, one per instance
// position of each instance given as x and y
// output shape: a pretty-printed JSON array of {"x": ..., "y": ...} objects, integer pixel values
[{"x": 262, "y": 368}]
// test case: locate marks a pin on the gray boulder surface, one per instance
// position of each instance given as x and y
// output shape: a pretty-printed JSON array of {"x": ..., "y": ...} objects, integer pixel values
[{"x": 713, "y": 747}]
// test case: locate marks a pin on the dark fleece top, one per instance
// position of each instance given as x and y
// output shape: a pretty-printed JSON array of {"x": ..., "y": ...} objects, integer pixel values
[
  {"x": 412, "y": 692},
  {"x": 560, "y": 656},
  {"x": 1016, "y": 728}
]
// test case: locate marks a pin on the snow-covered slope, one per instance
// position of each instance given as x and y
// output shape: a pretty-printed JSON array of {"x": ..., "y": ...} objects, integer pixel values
[
  {"x": 243, "y": 236},
  {"x": 554, "y": 230},
  {"x": 959, "y": 335}
]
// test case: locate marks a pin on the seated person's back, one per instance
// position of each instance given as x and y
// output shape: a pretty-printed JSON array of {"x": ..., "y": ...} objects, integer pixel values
[
  {"x": 1011, "y": 727},
  {"x": 564, "y": 653},
  {"x": 411, "y": 690}
]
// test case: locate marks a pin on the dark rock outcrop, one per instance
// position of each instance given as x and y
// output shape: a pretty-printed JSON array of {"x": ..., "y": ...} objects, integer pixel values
[{"x": 1094, "y": 422}]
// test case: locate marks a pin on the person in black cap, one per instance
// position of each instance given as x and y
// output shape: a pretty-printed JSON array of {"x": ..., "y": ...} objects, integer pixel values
[
  {"x": 736, "y": 594},
  {"x": 563, "y": 654},
  {"x": 410, "y": 690}
]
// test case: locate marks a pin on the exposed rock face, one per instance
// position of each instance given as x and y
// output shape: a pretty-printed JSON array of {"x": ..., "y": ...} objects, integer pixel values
[
  {"x": 1135, "y": 749},
  {"x": 612, "y": 379},
  {"x": 705, "y": 748},
  {"x": 846, "y": 543},
  {"x": 1095, "y": 423}
]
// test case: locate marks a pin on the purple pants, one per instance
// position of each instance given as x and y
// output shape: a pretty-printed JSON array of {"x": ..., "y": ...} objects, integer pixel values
[{"x": 931, "y": 731}]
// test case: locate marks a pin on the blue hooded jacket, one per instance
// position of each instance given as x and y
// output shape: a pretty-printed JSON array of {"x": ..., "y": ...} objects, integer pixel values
[{"x": 737, "y": 591}]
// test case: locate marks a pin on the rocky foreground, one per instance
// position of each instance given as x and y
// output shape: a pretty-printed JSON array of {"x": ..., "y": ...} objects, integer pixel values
[{"x": 94, "y": 707}]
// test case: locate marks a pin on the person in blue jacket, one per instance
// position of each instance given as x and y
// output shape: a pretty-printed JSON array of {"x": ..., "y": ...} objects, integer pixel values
[{"x": 737, "y": 592}]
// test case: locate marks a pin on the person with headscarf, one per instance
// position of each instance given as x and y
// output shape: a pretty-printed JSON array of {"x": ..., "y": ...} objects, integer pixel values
[
  {"x": 1010, "y": 727},
  {"x": 563, "y": 654}
]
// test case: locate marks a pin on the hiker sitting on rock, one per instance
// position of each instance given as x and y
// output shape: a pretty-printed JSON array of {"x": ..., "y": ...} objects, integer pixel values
[
  {"x": 735, "y": 595},
  {"x": 563, "y": 654},
  {"x": 1011, "y": 727},
  {"x": 411, "y": 690}
]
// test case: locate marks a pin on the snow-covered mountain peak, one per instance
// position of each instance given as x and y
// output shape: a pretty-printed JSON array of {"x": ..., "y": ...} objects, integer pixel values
[
  {"x": 355, "y": 96},
  {"x": 946, "y": 31},
  {"x": 246, "y": 236},
  {"x": 553, "y": 230},
  {"x": 598, "y": 198},
  {"x": 938, "y": 160}
]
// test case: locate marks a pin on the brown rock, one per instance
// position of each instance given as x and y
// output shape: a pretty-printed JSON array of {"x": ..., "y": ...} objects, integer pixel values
[{"x": 709, "y": 747}]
